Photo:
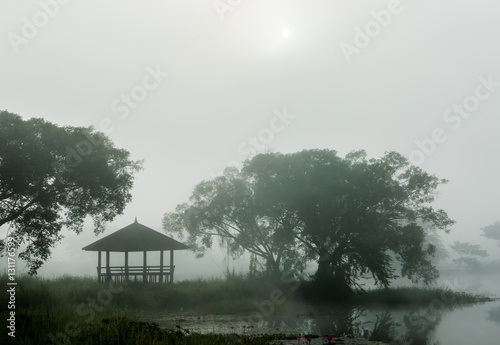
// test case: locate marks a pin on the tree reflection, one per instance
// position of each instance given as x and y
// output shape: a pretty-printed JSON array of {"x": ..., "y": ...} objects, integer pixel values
[
  {"x": 419, "y": 326},
  {"x": 410, "y": 328},
  {"x": 343, "y": 321},
  {"x": 384, "y": 329}
]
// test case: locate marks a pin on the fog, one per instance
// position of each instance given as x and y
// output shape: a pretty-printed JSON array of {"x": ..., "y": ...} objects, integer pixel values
[{"x": 191, "y": 88}]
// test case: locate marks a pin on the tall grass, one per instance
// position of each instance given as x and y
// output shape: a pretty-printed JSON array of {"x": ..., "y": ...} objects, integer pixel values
[
  {"x": 416, "y": 296},
  {"x": 52, "y": 306}
]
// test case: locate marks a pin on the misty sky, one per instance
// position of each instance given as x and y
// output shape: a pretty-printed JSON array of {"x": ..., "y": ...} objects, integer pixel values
[{"x": 191, "y": 86}]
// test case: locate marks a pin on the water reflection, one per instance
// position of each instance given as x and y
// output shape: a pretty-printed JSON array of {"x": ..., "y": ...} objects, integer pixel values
[
  {"x": 341, "y": 320},
  {"x": 384, "y": 328},
  {"x": 427, "y": 325},
  {"x": 417, "y": 326},
  {"x": 396, "y": 327}
]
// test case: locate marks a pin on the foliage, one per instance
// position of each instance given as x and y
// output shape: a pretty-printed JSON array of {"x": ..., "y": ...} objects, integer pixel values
[
  {"x": 228, "y": 209},
  {"x": 354, "y": 213},
  {"x": 492, "y": 231},
  {"x": 433, "y": 238},
  {"x": 53, "y": 176},
  {"x": 384, "y": 328},
  {"x": 415, "y": 296},
  {"x": 121, "y": 331},
  {"x": 64, "y": 304},
  {"x": 468, "y": 254},
  {"x": 351, "y": 215}
]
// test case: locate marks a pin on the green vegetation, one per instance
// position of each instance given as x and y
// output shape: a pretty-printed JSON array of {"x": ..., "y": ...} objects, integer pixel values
[
  {"x": 407, "y": 296},
  {"x": 352, "y": 216},
  {"x": 86, "y": 312},
  {"x": 53, "y": 177},
  {"x": 492, "y": 231},
  {"x": 468, "y": 254},
  {"x": 123, "y": 331}
]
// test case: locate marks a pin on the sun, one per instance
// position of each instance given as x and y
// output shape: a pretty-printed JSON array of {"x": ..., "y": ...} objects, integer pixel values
[{"x": 286, "y": 33}]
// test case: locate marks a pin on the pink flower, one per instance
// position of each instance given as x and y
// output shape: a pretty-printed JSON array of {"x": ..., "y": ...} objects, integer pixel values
[{"x": 232, "y": 327}]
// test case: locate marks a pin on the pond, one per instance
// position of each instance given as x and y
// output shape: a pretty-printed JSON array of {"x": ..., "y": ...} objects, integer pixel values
[{"x": 435, "y": 323}]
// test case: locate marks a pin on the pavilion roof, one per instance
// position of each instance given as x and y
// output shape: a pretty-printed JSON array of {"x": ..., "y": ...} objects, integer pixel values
[{"x": 135, "y": 238}]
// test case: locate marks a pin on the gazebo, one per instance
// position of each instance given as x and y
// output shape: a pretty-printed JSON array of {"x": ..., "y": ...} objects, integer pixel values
[{"x": 136, "y": 238}]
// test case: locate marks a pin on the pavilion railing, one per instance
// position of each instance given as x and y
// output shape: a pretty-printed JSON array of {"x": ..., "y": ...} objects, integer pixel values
[{"x": 152, "y": 274}]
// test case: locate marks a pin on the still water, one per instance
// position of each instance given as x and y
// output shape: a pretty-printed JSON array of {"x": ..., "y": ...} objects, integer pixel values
[{"x": 433, "y": 324}]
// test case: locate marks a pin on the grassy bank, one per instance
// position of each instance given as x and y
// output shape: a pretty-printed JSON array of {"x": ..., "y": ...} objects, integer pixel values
[
  {"x": 416, "y": 296},
  {"x": 85, "y": 312}
]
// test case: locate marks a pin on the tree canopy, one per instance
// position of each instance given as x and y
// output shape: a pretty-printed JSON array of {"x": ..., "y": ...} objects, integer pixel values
[
  {"x": 492, "y": 231},
  {"x": 52, "y": 176},
  {"x": 350, "y": 215},
  {"x": 468, "y": 254},
  {"x": 226, "y": 208}
]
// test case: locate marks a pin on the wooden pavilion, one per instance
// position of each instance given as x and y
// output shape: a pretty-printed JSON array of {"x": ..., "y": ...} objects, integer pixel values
[{"x": 136, "y": 238}]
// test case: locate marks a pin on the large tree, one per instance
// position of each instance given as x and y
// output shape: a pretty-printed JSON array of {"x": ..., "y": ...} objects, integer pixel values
[
  {"x": 228, "y": 209},
  {"x": 52, "y": 176},
  {"x": 358, "y": 216},
  {"x": 351, "y": 215},
  {"x": 468, "y": 254}
]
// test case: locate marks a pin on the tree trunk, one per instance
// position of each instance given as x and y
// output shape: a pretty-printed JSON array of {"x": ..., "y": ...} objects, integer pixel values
[
  {"x": 273, "y": 269},
  {"x": 330, "y": 282},
  {"x": 322, "y": 273}
]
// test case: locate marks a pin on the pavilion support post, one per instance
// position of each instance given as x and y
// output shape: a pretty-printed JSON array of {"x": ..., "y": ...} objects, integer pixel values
[
  {"x": 99, "y": 266},
  {"x": 108, "y": 271},
  {"x": 145, "y": 263},
  {"x": 161, "y": 266},
  {"x": 126, "y": 266},
  {"x": 171, "y": 266}
]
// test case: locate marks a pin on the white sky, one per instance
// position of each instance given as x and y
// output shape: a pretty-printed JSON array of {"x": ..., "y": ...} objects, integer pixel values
[{"x": 228, "y": 77}]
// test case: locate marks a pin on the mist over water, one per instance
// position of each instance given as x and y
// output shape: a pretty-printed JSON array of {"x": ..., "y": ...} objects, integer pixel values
[
  {"x": 193, "y": 87},
  {"x": 478, "y": 324}
]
